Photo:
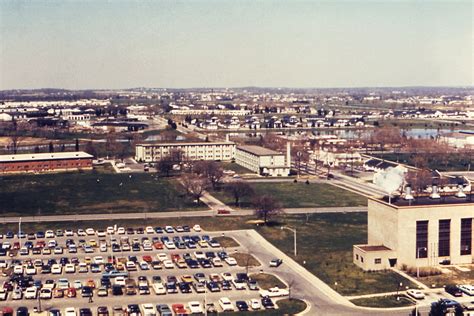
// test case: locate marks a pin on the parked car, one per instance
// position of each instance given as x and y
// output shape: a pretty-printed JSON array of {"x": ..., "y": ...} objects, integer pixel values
[
  {"x": 226, "y": 304},
  {"x": 467, "y": 288},
  {"x": 453, "y": 290},
  {"x": 276, "y": 262},
  {"x": 416, "y": 294}
]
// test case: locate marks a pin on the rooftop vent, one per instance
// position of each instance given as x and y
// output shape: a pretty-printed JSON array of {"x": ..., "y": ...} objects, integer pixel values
[
  {"x": 408, "y": 194},
  {"x": 460, "y": 193},
  {"x": 434, "y": 192}
]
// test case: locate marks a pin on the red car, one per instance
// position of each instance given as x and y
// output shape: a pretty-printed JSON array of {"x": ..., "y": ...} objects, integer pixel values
[
  {"x": 223, "y": 212},
  {"x": 158, "y": 245},
  {"x": 179, "y": 310},
  {"x": 147, "y": 259}
]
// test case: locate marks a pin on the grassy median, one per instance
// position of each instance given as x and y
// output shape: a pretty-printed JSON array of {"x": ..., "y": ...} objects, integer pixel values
[{"x": 384, "y": 301}]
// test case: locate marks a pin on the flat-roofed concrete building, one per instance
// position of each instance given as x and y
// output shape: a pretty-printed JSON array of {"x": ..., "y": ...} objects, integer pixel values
[
  {"x": 263, "y": 161},
  {"x": 45, "y": 162},
  {"x": 191, "y": 151},
  {"x": 418, "y": 231}
]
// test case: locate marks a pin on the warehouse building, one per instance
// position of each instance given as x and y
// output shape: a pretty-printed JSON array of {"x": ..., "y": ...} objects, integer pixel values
[
  {"x": 190, "y": 151},
  {"x": 45, "y": 162},
  {"x": 263, "y": 161},
  {"x": 418, "y": 231}
]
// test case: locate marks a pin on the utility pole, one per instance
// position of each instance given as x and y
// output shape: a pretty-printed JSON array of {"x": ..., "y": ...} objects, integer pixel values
[{"x": 294, "y": 232}]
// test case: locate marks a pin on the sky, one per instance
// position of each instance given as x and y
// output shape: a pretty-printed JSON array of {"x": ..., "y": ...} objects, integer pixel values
[{"x": 223, "y": 43}]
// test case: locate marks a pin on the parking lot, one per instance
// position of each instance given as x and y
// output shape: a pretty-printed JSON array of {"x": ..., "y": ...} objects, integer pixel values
[{"x": 126, "y": 270}]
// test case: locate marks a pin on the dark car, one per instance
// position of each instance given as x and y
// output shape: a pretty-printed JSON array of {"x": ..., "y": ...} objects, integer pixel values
[
  {"x": 102, "y": 311},
  {"x": 85, "y": 312},
  {"x": 453, "y": 290},
  {"x": 133, "y": 310},
  {"x": 22, "y": 311},
  {"x": 184, "y": 287},
  {"x": 86, "y": 291},
  {"x": 242, "y": 306},
  {"x": 54, "y": 312},
  {"x": 117, "y": 290},
  {"x": 213, "y": 286},
  {"x": 164, "y": 310},
  {"x": 226, "y": 286},
  {"x": 267, "y": 303}
]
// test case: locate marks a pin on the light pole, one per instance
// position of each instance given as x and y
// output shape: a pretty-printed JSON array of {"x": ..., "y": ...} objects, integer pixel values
[
  {"x": 294, "y": 232},
  {"x": 19, "y": 231},
  {"x": 417, "y": 257}
]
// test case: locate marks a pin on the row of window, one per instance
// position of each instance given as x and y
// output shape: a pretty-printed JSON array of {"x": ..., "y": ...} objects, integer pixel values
[
  {"x": 444, "y": 238},
  {"x": 376, "y": 260}
]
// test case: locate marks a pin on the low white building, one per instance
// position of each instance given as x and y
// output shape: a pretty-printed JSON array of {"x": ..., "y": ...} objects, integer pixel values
[
  {"x": 191, "y": 151},
  {"x": 458, "y": 139},
  {"x": 337, "y": 158},
  {"x": 263, "y": 161}
]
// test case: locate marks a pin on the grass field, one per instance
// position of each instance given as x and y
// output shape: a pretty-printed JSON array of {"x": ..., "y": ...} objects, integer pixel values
[
  {"x": 266, "y": 281},
  {"x": 293, "y": 195},
  {"x": 89, "y": 192},
  {"x": 384, "y": 301},
  {"x": 227, "y": 242},
  {"x": 453, "y": 277},
  {"x": 324, "y": 244},
  {"x": 234, "y": 167}
]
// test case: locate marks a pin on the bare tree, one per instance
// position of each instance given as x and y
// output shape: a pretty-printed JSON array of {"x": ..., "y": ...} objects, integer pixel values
[
  {"x": 419, "y": 180},
  {"x": 239, "y": 190},
  {"x": 266, "y": 207},
  {"x": 211, "y": 170},
  {"x": 194, "y": 185}
]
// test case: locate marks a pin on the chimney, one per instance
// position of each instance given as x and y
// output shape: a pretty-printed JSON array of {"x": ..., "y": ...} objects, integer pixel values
[
  {"x": 408, "y": 195},
  {"x": 227, "y": 137},
  {"x": 460, "y": 193},
  {"x": 288, "y": 154},
  {"x": 434, "y": 192}
]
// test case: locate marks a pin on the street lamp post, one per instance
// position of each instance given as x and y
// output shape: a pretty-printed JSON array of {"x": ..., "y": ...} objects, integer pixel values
[
  {"x": 294, "y": 232},
  {"x": 417, "y": 257}
]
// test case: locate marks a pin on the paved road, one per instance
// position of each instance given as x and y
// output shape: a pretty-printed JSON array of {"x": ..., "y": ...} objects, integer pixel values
[{"x": 148, "y": 215}]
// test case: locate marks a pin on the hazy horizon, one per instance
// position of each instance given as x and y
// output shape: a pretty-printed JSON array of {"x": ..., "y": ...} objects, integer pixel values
[{"x": 235, "y": 44}]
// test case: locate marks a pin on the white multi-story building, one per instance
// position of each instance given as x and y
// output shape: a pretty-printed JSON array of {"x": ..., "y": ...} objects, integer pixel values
[
  {"x": 263, "y": 161},
  {"x": 190, "y": 151}
]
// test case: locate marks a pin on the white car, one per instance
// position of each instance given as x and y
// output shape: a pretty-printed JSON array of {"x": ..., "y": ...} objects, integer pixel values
[
  {"x": 274, "y": 292},
  {"x": 110, "y": 230},
  {"x": 239, "y": 285},
  {"x": 81, "y": 232},
  {"x": 3, "y": 264},
  {"x": 62, "y": 284},
  {"x": 49, "y": 234},
  {"x": 77, "y": 284},
  {"x": 217, "y": 262},
  {"x": 417, "y": 294},
  {"x": 149, "y": 230},
  {"x": 467, "y": 288},
  {"x": 227, "y": 276},
  {"x": 170, "y": 245},
  {"x": 46, "y": 294},
  {"x": 197, "y": 228},
  {"x": 162, "y": 256},
  {"x": 56, "y": 268},
  {"x": 70, "y": 311},
  {"x": 90, "y": 231},
  {"x": 70, "y": 268},
  {"x": 101, "y": 233},
  {"x": 17, "y": 294},
  {"x": 255, "y": 304},
  {"x": 226, "y": 304},
  {"x": 3, "y": 294},
  {"x": 68, "y": 233},
  {"x": 98, "y": 260},
  {"x": 231, "y": 261},
  {"x": 83, "y": 268},
  {"x": 195, "y": 307},
  {"x": 148, "y": 310},
  {"x": 131, "y": 266},
  {"x": 168, "y": 264},
  {"x": 199, "y": 255},
  {"x": 31, "y": 293},
  {"x": 103, "y": 247},
  {"x": 120, "y": 280},
  {"x": 121, "y": 231},
  {"x": 159, "y": 288},
  {"x": 18, "y": 269},
  {"x": 58, "y": 250},
  {"x": 30, "y": 270}
]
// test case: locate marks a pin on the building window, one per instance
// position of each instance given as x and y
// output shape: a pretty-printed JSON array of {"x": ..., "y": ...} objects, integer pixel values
[
  {"x": 421, "y": 239},
  {"x": 357, "y": 257},
  {"x": 377, "y": 260},
  {"x": 444, "y": 237},
  {"x": 466, "y": 236},
  {"x": 361, "y": 259}
]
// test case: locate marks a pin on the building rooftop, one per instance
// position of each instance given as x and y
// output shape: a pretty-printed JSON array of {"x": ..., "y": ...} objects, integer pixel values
[
  {"x": 258, "y": 150},
  {"x": 425, "y": 200},
  {"x": 44, "y": 156},
  {"x": 369, "y": 248},
  {"x": 179, "y": 143}
]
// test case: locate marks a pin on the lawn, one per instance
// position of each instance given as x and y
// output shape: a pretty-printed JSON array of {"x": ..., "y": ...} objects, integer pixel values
[
  {"x": 245, "y": 259},
  {"x": 266, "y": 281},
  {"x": 384, "y": 301},
  {"x": 454, "y": 276},
  {"x": 234, "y": 167},
  {"x": 295, "y": 195},
  {"x": 227, "y": 242},
  {"x": 89, "y": 192}
]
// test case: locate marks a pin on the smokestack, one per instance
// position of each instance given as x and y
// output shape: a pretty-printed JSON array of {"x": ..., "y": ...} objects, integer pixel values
[
  {"x": 227, "y": 137},
  {"x": 288, "y": 154},
  {"x": 434, "y": 192},
  {"x": 408, "y": 195},
  {"x": 460, "y": 193}
]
